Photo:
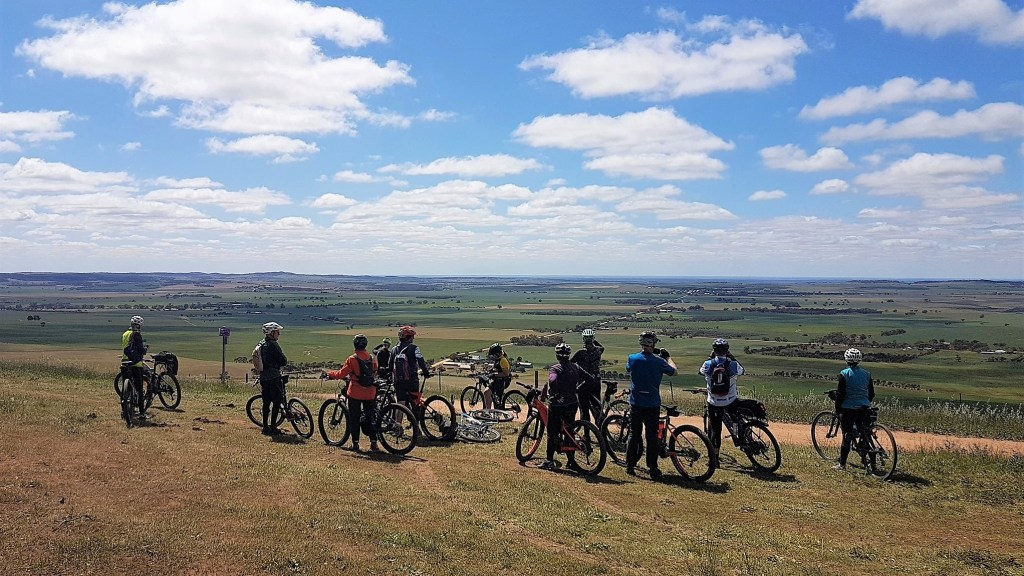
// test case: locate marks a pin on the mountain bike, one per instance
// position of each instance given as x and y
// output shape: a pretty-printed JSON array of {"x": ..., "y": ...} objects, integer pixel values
[
  {"x": 873, "y": 442},
  {"x": 160, "y": 376},
  {"x": 473, "y": 396},
  {"x": 394, "y": 424},
  {"x": 436, "y": 414},
  {"x": 581, "y": 440},
  {"x": 746, "y": 421},
  {"x": 295, "y": 412},
  {"x": 610, "y": 403},
  {"x": 688, "y": 447},
  {"x": 473, "y": 429}
]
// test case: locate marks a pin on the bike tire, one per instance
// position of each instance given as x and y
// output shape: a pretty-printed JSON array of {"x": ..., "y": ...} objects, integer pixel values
[
  {"x": 691, "y": 453},
  {"x": 592, "y": 454},
  {"x": 529, "y": 439},
  {"x": 515, "y": 402},
  {"x": 884, "y": 452},
  {"x": 619, "y": 407},
  {"x": 492, "y": 415},
  {"x": 760, "y": 446},
  {"x": 482, "y": 435},
  {"x": 438, "y": 420},
  {"x": 119, "y": 384},
  {"x": 128, "y": 402},
  {"x": 333, "y": 419},
  {"x": 302, "y": 419},
  {"x": 168, "y": 391},
  {"x": 397, "y": 438},
  {"x": 615, "y": 431},
  {"x": 469, "y": 399},
  {"x": 827, "y": 435},
  {"x": 256, "y": 415}
]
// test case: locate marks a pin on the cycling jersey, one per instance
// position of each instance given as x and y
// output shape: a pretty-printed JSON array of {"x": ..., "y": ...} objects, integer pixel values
[
  {"x": 735, "y": 370},
  {"x": 645, "y": 372},
  {"x": 856, "y": 390},
  {"x": 351, "y": 366}
]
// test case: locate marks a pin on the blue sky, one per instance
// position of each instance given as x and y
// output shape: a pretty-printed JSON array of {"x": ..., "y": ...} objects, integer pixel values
[{"x": 869, "y": 138}]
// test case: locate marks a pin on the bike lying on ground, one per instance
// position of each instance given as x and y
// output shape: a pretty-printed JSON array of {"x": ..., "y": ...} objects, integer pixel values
[
  {"x": 581, "y": 440},
  {"x": 160, "y": 376},
  {"x": 473, "y": 397},
  {"x": 873, "y": 442},
  {"x": 294, "y": 411},
  {"x": 472, "y": 429},
  {"x": 394, "y": 425},
  {"x": 746, "y": 420},
  {"x": 688, "y": 448}
]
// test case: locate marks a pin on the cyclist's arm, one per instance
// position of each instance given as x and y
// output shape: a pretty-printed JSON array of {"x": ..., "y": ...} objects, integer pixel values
[
  {"x": 505, "y": 366},
  {"x": 341, "y": 373},
  {"x": 841, "y": 390},
  {"x": 871, "y": 389},
  {"x": 739, "y": 369},
  {"x": 424, "y": 369},
  {"x": 670, "y": 366}
]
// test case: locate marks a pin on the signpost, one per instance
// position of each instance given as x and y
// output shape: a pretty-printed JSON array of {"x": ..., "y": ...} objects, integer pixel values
[{"x": 224, "y": 333}]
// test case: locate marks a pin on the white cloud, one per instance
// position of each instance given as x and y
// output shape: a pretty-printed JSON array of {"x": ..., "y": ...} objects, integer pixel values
[
  {"x": 793, "y": 158},
  {"x": 433, "y": 115},
  {"x": 283, "y": 148},
  {"x": 251, "y": 200},
  {"x": 654, "y": 143},
  {"x": 995, "y": 121},
  {"x": 332, "y": 201},
  {"x": 860, "y": 99},
  {"x": 201, "y": 182},
  {"x": 272, "y": 76},
  {"x": 33, "y": 127},
  {"x": 991, "y": 21},
  {"x": 664, "y": 65},
  {"x": 761, "y": 195},
  {"x": 131, "y": 146},
  {"x": 941, "y": 181},
  {"x": 659, "y": 203},
  {"x": 830, "y": 186},
  {"x": 885, "y": 213},
  {"x": 350, "y": 176},
  {"x": 470, "y": 166},
  {"x": 40, "y": 176}
]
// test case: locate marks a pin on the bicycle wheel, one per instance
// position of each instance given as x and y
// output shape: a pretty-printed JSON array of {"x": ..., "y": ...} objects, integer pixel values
[
  {"x": 591, "y": 454},
  {"x": 255, "y": 411},
  {"x": 333, "y": 420},
  {"x": 615, "y": 431},
  {"x": 530, "y": 436},
  {"x": 301, "y": 419},
  {"x": 493, "y": 415},
  {"x": 119, "y": 384},
  {"x": 397, "y": 429},
  {"x": 471, "y": 397},
  {"x": 691, "y": 453},
  {"x": 884, "y": 453},
  {"x": 515, "y": 402},
  {"x": 128, "y": 402},
  {"x": 169, "y": 390},
  {"x": 619, "y": 407},
  {"x": 827, "y": 435},
  {"x": 482, "y": 434},
  {"x": 438, "y": 421},
  {"x": 760, "y": 446}
]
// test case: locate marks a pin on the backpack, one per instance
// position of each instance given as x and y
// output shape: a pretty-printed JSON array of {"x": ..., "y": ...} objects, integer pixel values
[
  {"x": 257, "y": 358},
  {"x": 403, "y": 371},
  {"x": 365, "y": 371},
  {"x": 719, "y": 380}
]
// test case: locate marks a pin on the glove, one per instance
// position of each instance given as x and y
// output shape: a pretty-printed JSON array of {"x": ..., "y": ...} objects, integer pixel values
[{"x": 664, "y": 353}]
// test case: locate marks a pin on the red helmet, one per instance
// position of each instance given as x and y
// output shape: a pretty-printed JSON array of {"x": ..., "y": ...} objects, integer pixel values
[{"x": 406, "y": 332}]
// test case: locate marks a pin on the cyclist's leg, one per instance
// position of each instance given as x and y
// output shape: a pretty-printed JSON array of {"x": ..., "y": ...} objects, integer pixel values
[
  {"x": 369, "y": 416},
  {"x": 556, "y": 418},
  {"x": 846, "y": 421},
  {"x": 715, "y": 425},
  {"x": 488, "y": 397},
  {"x": 355, "y": 409},
  {"x": 650, "y": 420},
  {"x": 137, "y": 383},
  {"x": 636, "y": 425}
]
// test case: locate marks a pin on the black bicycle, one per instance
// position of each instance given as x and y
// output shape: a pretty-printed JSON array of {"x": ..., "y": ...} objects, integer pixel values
[
  {"x": 472, "y": 397},
  {"x": 611, "y": 402},
  {"x": 294, "y": 411},
  {"x": 873, "y": 442},
  {"x": 394, "y": 425},
  {"x": 746, "y": 420},
  {"x": 160, "y": 379},
  {"x": 687, "y": 446}
]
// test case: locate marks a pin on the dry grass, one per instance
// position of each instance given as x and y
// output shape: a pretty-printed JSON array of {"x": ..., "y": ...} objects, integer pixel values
[{"x": 200, "y": 492}]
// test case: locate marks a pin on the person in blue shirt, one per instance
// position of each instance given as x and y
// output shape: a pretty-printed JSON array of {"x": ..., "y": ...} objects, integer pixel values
[
  {"x": 720, "y": 372},
  {"x": 855, "y": 393},
  {"x": 645, "y": 371}
]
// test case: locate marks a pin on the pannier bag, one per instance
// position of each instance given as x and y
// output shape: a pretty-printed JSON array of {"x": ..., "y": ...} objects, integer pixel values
[{"x": 169, "y": 360}]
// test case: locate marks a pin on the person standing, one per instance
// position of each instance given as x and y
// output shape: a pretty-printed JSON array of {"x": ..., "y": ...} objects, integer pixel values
[
  {"x": 405, "y": 360},
  {"x": 499, "y": 376},
  {"x": 361, "y": 370},
  {"x": 855, "y": 393},
  {"x": 563, "y": 380},
  {"x": 133, "y": 351},
  {"x": 271, "y": 380},
  {"x": 589, "y": 358},
  {"x": 382, "y": 352},
  {"x": 721, "y": 371},
  {"x": 645, "y": 371}
]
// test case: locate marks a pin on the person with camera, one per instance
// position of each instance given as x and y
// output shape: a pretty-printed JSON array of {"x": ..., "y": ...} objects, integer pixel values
[
  {"x": 589, "y": 358},
  {"x": 721, "y": 371},
  {"x": 271, "y": 381},
  {"x": 646, "y": 369},
  {"x": 855, "y": 392}
]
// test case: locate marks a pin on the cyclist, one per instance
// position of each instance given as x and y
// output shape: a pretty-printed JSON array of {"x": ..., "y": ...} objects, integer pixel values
[
  {"x": 382, "y": 352},
  {"x": 133, "y": 350},
  {"x": 589, "y": 358},
  {"x": 560, "y": 391},
  {"x": 721, "y": 370},
  {"x": 271, "y": 381},
  {"x": 645, "y": 371},
  {"x": 405, "y": 359},
  {"x": 855, "y": 393},
  {"x": 361, "y": 391},
  {"x": 500, "y": 375}
]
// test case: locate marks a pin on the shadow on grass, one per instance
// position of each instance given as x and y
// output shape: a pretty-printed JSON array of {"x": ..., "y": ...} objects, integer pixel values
[
  {"x": 175, "y": 410},
  {"x": 709, "y": 486},
  {"x": 569, "y": 471},
  {"x": 900, "y": 477},
  {"x": 387, "y": 457},
  {"x": 285, "y": 438}
]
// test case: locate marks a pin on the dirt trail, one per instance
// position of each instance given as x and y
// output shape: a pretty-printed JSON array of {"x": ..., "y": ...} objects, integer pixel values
[{"x": 800, "y": 434}]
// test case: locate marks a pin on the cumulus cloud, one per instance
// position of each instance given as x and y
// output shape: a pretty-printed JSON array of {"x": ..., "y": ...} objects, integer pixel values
[
  {"x": 830, "y": 186},
  {"x": 653, "y": 144},
  {"x": 38, "y": 175},
  {"x": 284, "y": 149},
  {"x": 332, "y": 202},
  {"x": 941, "y": 181},
  {"x": 32, "y": 127},
  {"x": 350, "y": 176},
  {"x": 761, "y": 195},
  {"x": 666, "y": 65},
  {"x": 991, "y": 21},
  {"x": 861, "y": 99},
  {"x": 793, "y": 158},
  {"x": 269, "y": 76},
  {"x": 251, "y": 200},
  {"x": 480, "y": 166},
  {"x": 995, "y": 121}
]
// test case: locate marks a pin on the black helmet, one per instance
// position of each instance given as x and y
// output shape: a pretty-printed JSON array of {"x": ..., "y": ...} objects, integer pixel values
[
  {"x": 494, "y": 351},
  {"x": 360, "y": 342},
  {"x": 720, "y": 346},
  {"x": 562, "y": 351},
  {"x": 648, "y": 338}
]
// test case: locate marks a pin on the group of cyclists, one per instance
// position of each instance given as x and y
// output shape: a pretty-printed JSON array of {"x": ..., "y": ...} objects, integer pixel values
[{"x": 572, "y": 386}]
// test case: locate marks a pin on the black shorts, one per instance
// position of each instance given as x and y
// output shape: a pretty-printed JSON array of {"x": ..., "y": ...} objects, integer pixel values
[
  {"x": 272, "y": 390},
  {"x": 498, "y": 385},
  {"x": 402, "y": 390}
]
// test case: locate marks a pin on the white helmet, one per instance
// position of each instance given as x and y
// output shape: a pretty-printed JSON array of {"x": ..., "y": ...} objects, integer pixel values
[
  {"x": 853, "y": 355},
  {"x": 271, "y": 326},
  {"x": 136, "y": 321},
  {"x": 588, "y": 334}
]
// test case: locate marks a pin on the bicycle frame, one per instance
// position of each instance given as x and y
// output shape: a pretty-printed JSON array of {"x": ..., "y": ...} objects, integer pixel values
[{"x": 569, "y": 443}]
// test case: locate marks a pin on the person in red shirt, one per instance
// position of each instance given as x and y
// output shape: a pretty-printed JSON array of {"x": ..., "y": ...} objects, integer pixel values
[{"x": 360, "y": 369}]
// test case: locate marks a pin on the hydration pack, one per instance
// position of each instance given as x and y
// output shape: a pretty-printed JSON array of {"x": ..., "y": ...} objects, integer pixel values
[
  {"x": 365, "y": 371},
  {"x": 720, "y": 382},
  {"x": 257, "y": 358}
]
